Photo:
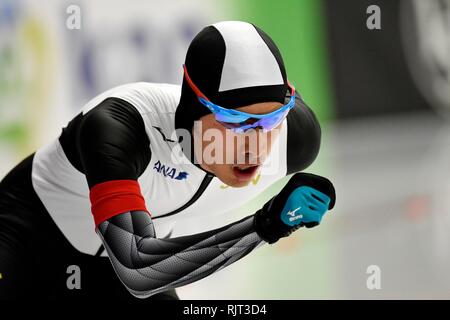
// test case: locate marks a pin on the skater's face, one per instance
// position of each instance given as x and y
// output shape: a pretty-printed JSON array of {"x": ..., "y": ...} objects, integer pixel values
[{"x": 234, "y": 158}]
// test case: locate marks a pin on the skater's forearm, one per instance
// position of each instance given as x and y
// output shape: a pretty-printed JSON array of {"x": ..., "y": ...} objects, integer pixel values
[{"x": 148, "y": 265}]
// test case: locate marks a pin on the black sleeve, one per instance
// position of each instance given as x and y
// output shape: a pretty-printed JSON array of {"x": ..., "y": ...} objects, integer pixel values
[
  {"x": 303, "y": 137},
  {"x": 147, "y": 265},
  {"x": 112, "y": 142}
]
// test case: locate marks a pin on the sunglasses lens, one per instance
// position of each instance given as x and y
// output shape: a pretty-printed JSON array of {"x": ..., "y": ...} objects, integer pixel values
[
  {"x": 234, "y": 119},
  {"x": 270, "y": 123},
  {"x": 267, "y": 124}
]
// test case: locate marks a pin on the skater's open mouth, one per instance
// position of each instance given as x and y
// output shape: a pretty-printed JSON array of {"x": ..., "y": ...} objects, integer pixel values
[{"x": 245, "y": 172}]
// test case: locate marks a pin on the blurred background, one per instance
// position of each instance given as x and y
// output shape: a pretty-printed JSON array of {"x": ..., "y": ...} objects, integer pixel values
[{"x": 382, "y": 96}]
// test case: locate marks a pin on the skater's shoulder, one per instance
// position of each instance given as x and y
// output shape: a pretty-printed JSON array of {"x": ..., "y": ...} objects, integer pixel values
[{"x": 146, "y": 97}]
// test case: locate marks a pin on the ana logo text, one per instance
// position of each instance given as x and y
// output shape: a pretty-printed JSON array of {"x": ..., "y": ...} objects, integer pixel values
[{"x": 170, "y": 172}]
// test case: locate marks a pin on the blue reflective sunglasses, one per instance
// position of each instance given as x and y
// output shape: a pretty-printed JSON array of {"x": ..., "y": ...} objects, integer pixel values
[{"x": 239, "y": 121}]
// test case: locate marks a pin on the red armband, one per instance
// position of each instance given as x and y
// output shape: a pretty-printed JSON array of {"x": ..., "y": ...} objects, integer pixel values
[{"x": 111, "y": 198}]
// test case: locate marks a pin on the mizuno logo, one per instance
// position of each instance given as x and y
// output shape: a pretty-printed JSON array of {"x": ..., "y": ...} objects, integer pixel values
[
  {"x": 170, "y": 172},
  {"x": 292, "y": 213},
  {"x": 293, "y": 216}
]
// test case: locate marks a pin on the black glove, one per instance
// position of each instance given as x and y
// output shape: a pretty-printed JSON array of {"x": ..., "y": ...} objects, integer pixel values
[{"x": 302, "y": 202}]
